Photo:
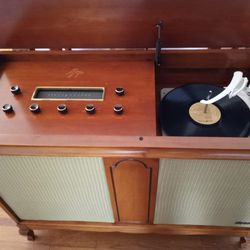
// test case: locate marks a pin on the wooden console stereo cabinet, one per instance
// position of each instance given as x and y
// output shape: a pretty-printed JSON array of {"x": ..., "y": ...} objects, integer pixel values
[{"x": 81, "y": 146}]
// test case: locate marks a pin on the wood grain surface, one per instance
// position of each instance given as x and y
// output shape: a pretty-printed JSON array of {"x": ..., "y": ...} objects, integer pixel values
[
  {"x": 137, "y": 78},
  {"x": 128, "y": 146},
  {"x": 137, "y": 228},
  {"x": 133, "y": 186},
  {"x": 123, "y": 24}
]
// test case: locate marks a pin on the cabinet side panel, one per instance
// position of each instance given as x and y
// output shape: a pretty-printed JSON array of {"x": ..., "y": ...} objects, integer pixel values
[
  {"x": 203, "y": 192},
  {"x": 56, "y": 188}
]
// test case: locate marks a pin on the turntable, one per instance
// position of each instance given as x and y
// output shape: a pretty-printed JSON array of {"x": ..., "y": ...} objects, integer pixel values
[{"x": 225, "y": 112}]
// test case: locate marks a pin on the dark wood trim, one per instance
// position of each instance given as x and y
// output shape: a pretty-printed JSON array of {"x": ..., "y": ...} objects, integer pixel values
[
  {"x": 129, "y": 159},
  {"x": 135, "y": 228},
  {"x": 86, "y": 55},
  {"x": 153, "y": 189},
  {"x": 9, "y": 211},
  {"x": 128, "y": 146},
  {"x": 108, "y": 172},
  {"x": 170, "y": 59}
]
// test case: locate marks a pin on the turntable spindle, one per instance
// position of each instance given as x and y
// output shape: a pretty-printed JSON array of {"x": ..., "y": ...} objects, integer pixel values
[{"x": 208, "y": 97}]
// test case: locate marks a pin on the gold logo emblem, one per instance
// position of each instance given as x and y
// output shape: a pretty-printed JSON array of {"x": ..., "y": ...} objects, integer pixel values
[{"x": 74, "y": 73}]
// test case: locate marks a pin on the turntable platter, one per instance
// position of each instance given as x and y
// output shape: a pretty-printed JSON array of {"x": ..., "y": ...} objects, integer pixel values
[{"x": 182, "y": 114}]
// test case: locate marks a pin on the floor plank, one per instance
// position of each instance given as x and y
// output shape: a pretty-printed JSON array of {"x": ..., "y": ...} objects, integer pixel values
[
  {"x": 14, "y": 245},
  {"x": 70, "y": 248},
  {"x": 69, "y": 240}
]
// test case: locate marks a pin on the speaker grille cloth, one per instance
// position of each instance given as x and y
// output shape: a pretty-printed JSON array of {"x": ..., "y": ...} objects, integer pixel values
[
  {"x": 56, "y": 188},
  {"x": 203, "y": 192}
]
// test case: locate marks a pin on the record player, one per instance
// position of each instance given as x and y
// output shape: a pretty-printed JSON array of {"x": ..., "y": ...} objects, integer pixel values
[
  {"x": 184, "y": 113},
  {"x": 81, "y": 146}
]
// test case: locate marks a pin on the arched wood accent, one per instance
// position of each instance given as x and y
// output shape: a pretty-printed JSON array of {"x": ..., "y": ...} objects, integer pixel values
[{"x": 132, "y": 186}]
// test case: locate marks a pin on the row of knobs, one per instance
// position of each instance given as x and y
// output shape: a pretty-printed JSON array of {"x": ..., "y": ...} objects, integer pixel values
[{"x": 62, "y": 108}]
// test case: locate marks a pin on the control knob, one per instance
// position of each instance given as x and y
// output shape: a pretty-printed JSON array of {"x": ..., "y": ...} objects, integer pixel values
[
  {"x": 118, "y": 109},
  {"x": 7, "y": 108},
  {"x": 34, "y": 108},
  {"x": 120, "y": 91},
  {"x": 62, "y": 108},
  {"x": 90, "y": 108},
  {"x": 15, "y": 90}
]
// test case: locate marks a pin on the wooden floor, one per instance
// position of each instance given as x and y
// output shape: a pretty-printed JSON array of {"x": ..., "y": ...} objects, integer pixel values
[{"x": 68, "y": 240}]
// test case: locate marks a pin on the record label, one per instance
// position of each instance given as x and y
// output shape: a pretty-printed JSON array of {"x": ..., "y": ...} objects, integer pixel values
[{"x": 204, "y": 114}]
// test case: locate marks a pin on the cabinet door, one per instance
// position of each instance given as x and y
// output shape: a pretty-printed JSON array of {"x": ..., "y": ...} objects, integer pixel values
[
  {"x": 203, "y": 192},
  {"x": 133, "y": 188},
  {"x": 56, "y": 188}
]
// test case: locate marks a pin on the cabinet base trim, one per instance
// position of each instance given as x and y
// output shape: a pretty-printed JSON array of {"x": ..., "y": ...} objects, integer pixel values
[{"x": 132, "y": 228}]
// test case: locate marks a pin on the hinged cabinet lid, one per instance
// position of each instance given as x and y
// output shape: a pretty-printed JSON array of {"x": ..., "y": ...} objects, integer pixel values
[{"x": 123, "y": 24}]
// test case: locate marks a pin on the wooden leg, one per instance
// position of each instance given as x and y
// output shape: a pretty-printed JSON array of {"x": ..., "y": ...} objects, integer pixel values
[
  {"x": 244, "y": 242},
  {"x": 27, "y": 232},
  {"x": 31, "y": 235}
]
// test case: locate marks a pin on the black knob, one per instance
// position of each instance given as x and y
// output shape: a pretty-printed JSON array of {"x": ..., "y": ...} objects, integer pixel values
[
  {"x": 7, "y": 108},
  {"x": 119, "y": 91},
  {"x": 34, "y": 108},
  {"x": 15, "y": 90},
  {"x": 62, "y": 108},
  {"x": 90, "y": 108},
  {"x": 118, "y": 109}
]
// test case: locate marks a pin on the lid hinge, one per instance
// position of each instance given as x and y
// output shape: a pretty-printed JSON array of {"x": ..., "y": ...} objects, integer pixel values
[{"x": 159, "y": 27}]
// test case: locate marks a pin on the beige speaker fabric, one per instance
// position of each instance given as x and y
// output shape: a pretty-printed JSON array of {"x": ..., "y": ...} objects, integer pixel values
[
  {"x": 203, "y": 192},
  {"x": 56, "y": 188}
]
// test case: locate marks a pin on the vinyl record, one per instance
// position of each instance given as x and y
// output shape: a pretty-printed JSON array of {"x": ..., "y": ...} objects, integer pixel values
[{"x": 181, "y": 113}]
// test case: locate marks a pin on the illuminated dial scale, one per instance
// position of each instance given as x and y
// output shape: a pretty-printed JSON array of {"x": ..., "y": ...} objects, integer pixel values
[{"x": 62, "y": 93}]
